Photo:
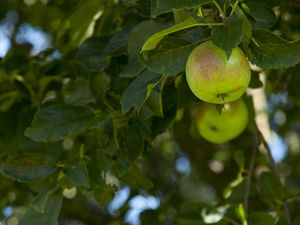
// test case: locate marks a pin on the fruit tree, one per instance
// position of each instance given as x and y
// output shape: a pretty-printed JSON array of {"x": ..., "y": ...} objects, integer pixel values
[{"x": 165, "y": 112}]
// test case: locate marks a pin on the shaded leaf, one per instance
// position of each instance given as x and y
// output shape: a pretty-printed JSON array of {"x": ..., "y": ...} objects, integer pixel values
[
  {"x": 139, "y": 90},
  {"x": 153, "y": 41},
  {"x": 77, "y": 92},
  {"x": 28, "y": 167},
  {"x": 162, "y": 6},
  {"x": 49, "y": 217},
  {"x": 229, "y": 35},
  {"x": 99, "y": 84},
  {"x": 263, "y": 16},
  {"x": 138, "y": 36},
  {"x": 136, "y": 179},
  {"x": 269, "y": 51},
  {"x": 77, "y": 173},
  {"x": 270, "y": 187},
  {"x": 135, "y": 146},
  {"x": 55, "y": 122},
  {"x": 261, "y": 218},
  {"x": 169, "y": 58}
]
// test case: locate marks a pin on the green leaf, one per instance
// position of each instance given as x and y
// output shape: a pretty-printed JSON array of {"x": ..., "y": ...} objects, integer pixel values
[
  {"x": 153, "y": 41},
  {"x": 136, "y": 179},
  {"x": 49, "y": 217},
  {"x": 90, "y": 53},
  {"x": 105, "y": 194},
  {"x": 261, "y": 218},
  {"x": 77, "y": 92},
  {"x": 138, "y": 36},
  {"x": 139, "y": 90},
  {"x": 135, "y": 146},
  {"x": 162, "y": 6},
  {"x": 39, "y": 203},
  {"x": 118, "y": 43},
  {"x": 247, "y": 28},
  {"x": 77, "y": 173},
  {"x": 55, "y": 122},
  {"x": 81, "y": 23},
  {"x": 28, "y": 167},
  {"x": 169, "y": 58},
  {"x": 270, "y": 187},
  {"x": 99, "y": 84},
  {"x": 262, "y": 15},
  {"x": 230, "y": 35},
  {"x": 269, "y": 51}
]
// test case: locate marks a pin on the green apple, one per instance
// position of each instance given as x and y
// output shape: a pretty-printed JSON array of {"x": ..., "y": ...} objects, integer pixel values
[
  {"x": 214, "y": 78},
  {"x": 221, "y": 127}
]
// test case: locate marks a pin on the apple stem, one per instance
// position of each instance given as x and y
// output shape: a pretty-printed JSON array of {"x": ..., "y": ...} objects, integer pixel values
[
  {"x": 219, "y": 9},
  {"x": 222, "y": 96}
]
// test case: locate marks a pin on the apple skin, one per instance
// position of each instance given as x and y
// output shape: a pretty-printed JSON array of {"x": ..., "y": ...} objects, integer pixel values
[
  {"x": 219, "y": 128},
  {"x": 213, "y": 78}
]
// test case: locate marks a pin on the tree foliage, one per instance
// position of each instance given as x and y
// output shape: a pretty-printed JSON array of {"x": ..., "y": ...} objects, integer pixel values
[{"x": 107, "y": 106}]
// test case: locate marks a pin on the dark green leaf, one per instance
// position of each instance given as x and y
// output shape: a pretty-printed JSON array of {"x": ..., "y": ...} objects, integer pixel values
[
  {"x": 135, "y": 146},
  {"x": 90, "y": 52},
  {"x": 76, "y": 92},
  {"x": 139, "y": 90},
  {"x": 270, "y": 187},
  {"x": 39, "y": 203},
  {"x": 55, "y": 122},
  {"x": 77, "y": 173},
  {"x": 153, "y": 40},
  {"x": 230, "y": 35},
  {"x": 136, "y": 179},
  {"x": 162, "y": 6},
  {"x": 263, "y": 16},
  {"x": 169, "y": 58},
  {"x": 99, "y": 84},
  {"x": 138, "y": 36},
  {"x": 49, "y": 217},
  {"x": 261, "y": 218},
  {"x": 247, "y": 28},
  {"x": 269, "y": 51},
  {"x": 28, "y": 167},
  {"x": 118, "y": 43}
]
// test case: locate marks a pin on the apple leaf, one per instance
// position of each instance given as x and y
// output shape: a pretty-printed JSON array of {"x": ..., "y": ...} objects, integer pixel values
[
  {"x": 270, "y": 187},
  {"x": 76, "y": 92},
  {"x": 139, "y": 34},
  {"x": 139, "y": 90},
  {"x": 169, "y": 58},
  {"x": 153, "y": 40},
  {"x": 247, "y": 28},
  {"x": 77, "y": 173},
  {"x": 99, "y": 84},
  {"x": 269, "y": 51},
  {"x": 48, "y": 217},
  {"x": 55, "y": 122},
  {"x": 229, "y": 35},
  {"x": 261, "y": 218},
  {"x": 261, "y": 15},
  {"x": 135, "y": 146},
  {"x": 162, "y": 6},
  {"x": 28, "y": 167}
]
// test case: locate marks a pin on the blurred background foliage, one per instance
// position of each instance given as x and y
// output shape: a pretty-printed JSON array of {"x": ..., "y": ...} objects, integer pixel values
[{"x": 118, "y": 141}]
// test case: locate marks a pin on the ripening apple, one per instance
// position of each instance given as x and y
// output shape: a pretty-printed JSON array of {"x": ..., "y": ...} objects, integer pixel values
[
  {"x": 221, "y": 127},
  {"x": 214, "y": 78}
]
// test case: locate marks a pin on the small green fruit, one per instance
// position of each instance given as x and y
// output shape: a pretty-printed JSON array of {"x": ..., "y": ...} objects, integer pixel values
[
  {"x": 213, "y": 78},
  {"x": 221, "y": 127}
]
